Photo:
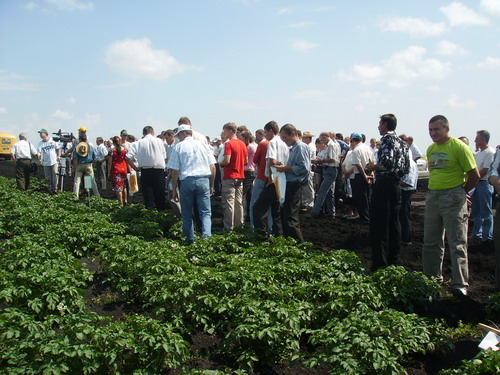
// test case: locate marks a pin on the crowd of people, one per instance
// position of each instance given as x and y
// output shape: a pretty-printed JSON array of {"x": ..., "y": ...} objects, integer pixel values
[{"x": 264, "y": 179}]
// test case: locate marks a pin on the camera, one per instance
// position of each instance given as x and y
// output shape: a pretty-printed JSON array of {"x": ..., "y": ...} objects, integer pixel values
[{"x": 63, "y": 136}]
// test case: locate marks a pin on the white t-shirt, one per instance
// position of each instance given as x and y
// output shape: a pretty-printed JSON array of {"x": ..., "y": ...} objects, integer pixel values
[
  {"x": 484, "y": 159},
  {"x": 277, "y": 150},
  {"x": 48, "y": 152}
]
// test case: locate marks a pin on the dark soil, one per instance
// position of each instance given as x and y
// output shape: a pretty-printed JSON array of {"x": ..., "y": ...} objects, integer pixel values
[{"x": 331, "y": 234}]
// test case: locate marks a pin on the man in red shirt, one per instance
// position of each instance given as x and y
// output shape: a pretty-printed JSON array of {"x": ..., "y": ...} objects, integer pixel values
[
  {"x": 235, "y": 159},
  {"x": 260, "y": 181}
]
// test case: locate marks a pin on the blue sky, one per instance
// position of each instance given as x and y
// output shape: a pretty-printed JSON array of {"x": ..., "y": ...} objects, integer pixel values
[{"x": 320, "y": 65}]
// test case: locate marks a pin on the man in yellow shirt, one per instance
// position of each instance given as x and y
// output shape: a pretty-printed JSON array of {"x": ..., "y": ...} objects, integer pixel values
[{"x": 452, "y": 174}]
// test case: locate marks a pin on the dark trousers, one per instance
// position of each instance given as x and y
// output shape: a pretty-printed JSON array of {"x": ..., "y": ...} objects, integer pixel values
[
  {"x": 247, "y": 191},
  {"x": 361, "y": 196},
  {"x": 153, "y": 188},
  {"x": 404, "y": 215},
  {"x": 385, "y": 229},
  {"x": 218, "y": 181},
  {"x": 267, "y": 200},
  {"x": 290, "y": 211},
  {"x": 23, "y": 173}
]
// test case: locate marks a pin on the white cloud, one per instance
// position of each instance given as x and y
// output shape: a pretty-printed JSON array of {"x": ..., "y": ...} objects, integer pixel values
[
  {"x": 282, "y": 11},
  {"x": 70, "y": 5},
  {"x": 447, "y": 48},
  {"x": 303, "y": 45},
  {"x": 240, "y": 104},
  {"x": 14, "y": 82},
  {"x": 490, "y": 63},
  {"x": 3, "y": 110},
  {"x": 415, "y": 27},
  {"x": 301, "y": 25},
  {"x": 31, "y": 117},
  {"x": 137, "y": 57},
  {"x": 90, "y": 121},
  {"x": 455, "y": 102},
  {"x": 30, "y": 6},
  {"x": 71, "y": 100},
  {"x": 316, "y": 95},
  {"x": 401, "y": 69},
  {"x": 61, "y": 115},
  {"x": 459, "y": 14},
  {"x": 491, "y": 6},
  {"x": 374, "y": 97}
]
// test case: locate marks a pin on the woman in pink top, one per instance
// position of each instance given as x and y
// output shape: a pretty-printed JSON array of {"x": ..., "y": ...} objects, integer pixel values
[{"x": 249, "y": 140}]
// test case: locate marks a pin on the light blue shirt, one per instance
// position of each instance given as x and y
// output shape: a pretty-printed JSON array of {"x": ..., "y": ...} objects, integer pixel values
[
  {"x": 299, "y": 159},
  {"x": 411, "y": 178},
  {"x": 191, "y": 158}
]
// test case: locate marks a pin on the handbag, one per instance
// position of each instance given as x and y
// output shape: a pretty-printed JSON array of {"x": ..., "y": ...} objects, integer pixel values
[{"x": 33, "y": 168}]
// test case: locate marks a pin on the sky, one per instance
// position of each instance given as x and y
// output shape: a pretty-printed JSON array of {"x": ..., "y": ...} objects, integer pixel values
[{"x": 320, "y": 65}]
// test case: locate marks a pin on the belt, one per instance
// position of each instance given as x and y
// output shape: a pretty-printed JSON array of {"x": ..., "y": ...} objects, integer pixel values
[{"x": 23, "y": 159}]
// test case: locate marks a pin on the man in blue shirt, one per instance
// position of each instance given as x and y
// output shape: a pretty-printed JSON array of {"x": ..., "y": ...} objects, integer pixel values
[
  {"x": 193, "y": 164},
  {"x": 297, "y": 171},
  {"x": 83, "y": 156}
]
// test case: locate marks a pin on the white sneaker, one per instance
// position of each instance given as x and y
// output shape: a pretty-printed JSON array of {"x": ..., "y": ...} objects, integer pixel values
[{"x": 462, "y": 290}]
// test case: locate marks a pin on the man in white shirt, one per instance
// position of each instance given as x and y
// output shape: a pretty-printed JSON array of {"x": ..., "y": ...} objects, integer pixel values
[
  {"x": 22, "y": 152},
  {"x": 330, "y": 163},
  {"x": 192, "y": 164},
  {"x": 100, "y": 155},
  {"x": 277, "y": 154},
  {"x": 408, "y": 185},
  {"x": 361, "y": 156},
  {"x": 49, "y": 153},
  {"x": 481, "y": 198},
  {"x": 150, "y": 155}
]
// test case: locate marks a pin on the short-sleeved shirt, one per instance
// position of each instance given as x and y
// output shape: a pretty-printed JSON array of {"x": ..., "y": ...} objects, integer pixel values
[
  {"x": 277, "y": 150},
  {"x": 191, "y": 158},
  {"x": 362, "y": 155},
  {"x": 449, "y": 163},
  {"x": 260, "y": 160},
  {"x": 48, "y": 151},
  {"x": 332, "y": 151},
  {"x": 23, "y": 150},
  {"x": 252, "y": 149},
  {"x": 484, "y": 159},
  {"x": 236, "y": 167}
]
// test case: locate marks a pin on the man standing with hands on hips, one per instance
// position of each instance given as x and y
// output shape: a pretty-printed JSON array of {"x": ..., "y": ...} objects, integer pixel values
[{"x": 452, "y": 174}]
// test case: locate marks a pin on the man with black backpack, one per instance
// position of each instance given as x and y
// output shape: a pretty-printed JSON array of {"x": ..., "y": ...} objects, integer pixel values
[{"x": 393, "y": 163}]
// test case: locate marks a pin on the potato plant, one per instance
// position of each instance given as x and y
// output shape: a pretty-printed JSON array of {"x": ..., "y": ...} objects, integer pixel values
[{"x": 266, "y": 302}]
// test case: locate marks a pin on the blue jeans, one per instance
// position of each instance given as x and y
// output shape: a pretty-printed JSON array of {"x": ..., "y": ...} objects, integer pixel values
[
  {"x": 481, "y": 211},
  {"x": 195, "y": 189},
  {"x": 326, "y": 192},
  {"x": 258, "y": 186}
]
